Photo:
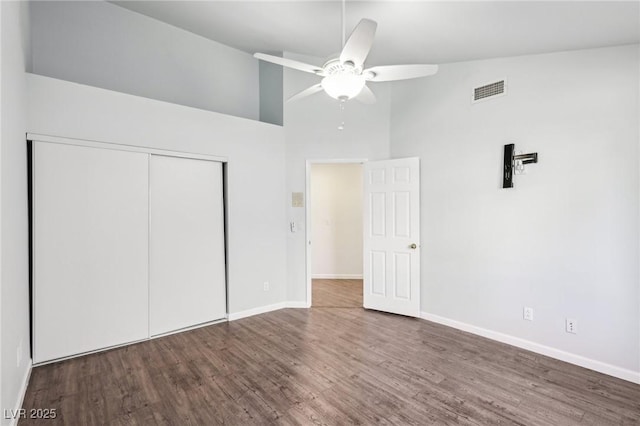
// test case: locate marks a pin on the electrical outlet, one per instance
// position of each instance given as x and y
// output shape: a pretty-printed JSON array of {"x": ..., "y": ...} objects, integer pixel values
[
  {"x": 266, "y": 285},
  {"x": 571, "y": 325},
  {"x": 527, "y": 313}
]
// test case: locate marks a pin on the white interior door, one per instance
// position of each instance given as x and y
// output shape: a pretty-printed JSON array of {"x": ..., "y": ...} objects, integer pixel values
[
  {"x": 90, "y": 223},
  {"x": 186, "y": 243},
  {"x": 392, "y": 236}
]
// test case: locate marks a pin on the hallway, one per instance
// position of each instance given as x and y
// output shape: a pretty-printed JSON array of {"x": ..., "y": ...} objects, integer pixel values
[{"x": 337, "y": 293}]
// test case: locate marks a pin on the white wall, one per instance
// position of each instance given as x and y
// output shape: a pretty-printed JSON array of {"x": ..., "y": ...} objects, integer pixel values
[
  {"x": 256, "y": 197},
  {"x": 14, "y": 259},
  {"x": 311, "y": 133},
  {"x": 336, "y": 217},
  {"x": 104, "y": 45},
  {"x": 1, "y": 139},
  {"x": 564, "y": 241}
]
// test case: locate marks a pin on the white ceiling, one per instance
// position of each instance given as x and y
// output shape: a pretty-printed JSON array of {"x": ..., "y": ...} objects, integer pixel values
[{"x": 408, "y": 31}]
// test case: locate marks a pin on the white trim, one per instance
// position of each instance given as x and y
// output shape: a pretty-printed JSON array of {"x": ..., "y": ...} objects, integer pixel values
[
  {"x": 297, "y": 304},
  {"x": 23, "y": 393},
  {"x": 121, "y": 147},
  {"x": 337, "y": 276},
  {"x": 592, "y": 364},
  {"x": 269, "y": 308},
  {"x": 256, "y": 311}
]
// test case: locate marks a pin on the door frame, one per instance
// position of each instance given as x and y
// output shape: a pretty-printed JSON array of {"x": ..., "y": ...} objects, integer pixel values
[{"x": 307, "y": 213}]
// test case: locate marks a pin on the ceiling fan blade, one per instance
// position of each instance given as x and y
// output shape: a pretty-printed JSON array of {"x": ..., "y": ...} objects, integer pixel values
[
  {"x": 359, "y": 43},
  {"x": 366, "y": 96},
  {"x": 306, "y": 92},
  {"x": 290, "y": 63},
  {"x": 400, "y": 72}
]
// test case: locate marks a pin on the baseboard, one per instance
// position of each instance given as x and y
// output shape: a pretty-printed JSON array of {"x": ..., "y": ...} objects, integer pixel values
[
  {"x": 268, "y": 308},
  {"x": 297, "y": 304},
  {"x": 599, "y": 366},
  {"x": 23, "y": 392},
  {"x": 336, "y": 276},
  {"x": 256, "y": 311}
]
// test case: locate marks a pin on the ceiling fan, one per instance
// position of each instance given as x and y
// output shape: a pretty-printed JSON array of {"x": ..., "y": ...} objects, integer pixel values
[{"x": 345, "y": 77}]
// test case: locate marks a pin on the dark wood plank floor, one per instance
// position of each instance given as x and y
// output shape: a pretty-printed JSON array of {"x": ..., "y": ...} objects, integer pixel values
[
  {"x": 336, "y": 293},
  {"x": 327, "y": 366}
]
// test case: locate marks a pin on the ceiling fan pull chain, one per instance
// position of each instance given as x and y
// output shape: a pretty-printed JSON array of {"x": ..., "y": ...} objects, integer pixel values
[{"x": 341, "y": 125}]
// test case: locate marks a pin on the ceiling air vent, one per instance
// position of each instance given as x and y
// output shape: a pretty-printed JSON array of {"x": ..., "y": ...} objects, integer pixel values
[{"x": 489, "y": 91}]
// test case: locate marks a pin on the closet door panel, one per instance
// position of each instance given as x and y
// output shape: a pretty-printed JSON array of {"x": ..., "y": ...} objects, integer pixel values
[
  {"x": 90, "y": 252},
  {"x": 186, "y": 246}
]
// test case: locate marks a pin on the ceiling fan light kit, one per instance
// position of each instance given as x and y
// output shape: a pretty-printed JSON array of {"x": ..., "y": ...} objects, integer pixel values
[
  {"x": 343, "y": 86},
  {"x": 345, "y": 77}
]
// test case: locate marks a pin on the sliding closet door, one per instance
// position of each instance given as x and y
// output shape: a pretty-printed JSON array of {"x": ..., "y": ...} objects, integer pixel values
[
  {"x": 186, "y": 245},
  {"x": 90, "y": 252}
]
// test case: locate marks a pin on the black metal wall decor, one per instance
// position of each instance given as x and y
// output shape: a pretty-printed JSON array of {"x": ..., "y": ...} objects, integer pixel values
[{"x": 510, "y": 160}]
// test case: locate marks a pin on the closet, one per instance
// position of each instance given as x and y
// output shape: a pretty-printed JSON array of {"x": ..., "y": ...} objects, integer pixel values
[
  {"x": 127, "y": 244},
  {"x": 186, "y": 243}
]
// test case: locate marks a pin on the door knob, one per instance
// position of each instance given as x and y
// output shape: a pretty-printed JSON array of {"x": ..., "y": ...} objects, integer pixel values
[{"x": 413, "y": 246}]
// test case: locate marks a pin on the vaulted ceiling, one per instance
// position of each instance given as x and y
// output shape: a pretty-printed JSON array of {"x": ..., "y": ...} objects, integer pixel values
[{"x": 408, "y": 31}]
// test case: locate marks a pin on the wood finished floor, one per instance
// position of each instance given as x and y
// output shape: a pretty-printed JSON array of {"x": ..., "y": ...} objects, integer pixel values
[
  {"x": 327, "y": 366},
  {"x": 336, "y": 293}
]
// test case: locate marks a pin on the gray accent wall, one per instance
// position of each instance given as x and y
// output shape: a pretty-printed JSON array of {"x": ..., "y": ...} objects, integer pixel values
[
  {"x": 271, "y": 96},
  {"x": 104, "y": 45}
]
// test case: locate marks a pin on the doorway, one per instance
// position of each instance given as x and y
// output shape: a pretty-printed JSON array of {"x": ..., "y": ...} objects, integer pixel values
[{"x": 334, "y": 233}]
